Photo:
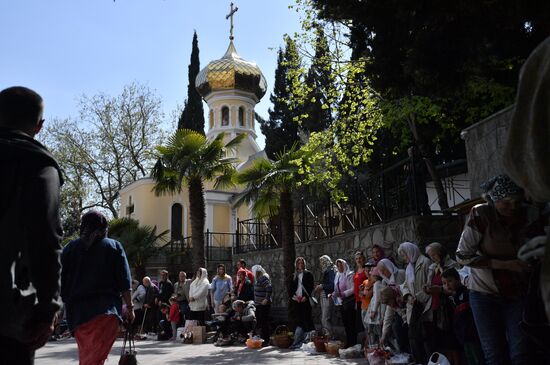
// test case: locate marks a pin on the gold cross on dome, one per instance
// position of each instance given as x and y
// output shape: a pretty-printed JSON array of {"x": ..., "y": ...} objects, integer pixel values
[{"x": 230, "y": 15}]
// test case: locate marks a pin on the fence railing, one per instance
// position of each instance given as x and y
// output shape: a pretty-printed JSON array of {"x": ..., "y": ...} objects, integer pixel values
[
  {"x": 218, "y": 247},
  {"x": 395, "y": 192}
]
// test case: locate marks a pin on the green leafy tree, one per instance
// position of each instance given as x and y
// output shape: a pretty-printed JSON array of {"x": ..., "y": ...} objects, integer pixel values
[
  {"x": 268, "y": 189},
  {"x": 281, "y": 129},
  {"x": 110, "y": 147},
  {"x": 140, "y": 242},
  {"x": 189, "y": 159},
  {"x": 192, "y": 116},
  {"x": 459, "y": 58}
]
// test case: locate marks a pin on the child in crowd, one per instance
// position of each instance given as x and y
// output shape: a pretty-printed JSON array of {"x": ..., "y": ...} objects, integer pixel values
[
  {"x": 375, "y": 311},
  {"x": 174, "y": 316},
  {"x": 365, "y": 293},
  {"x": 463, "y": 319},
  {"x": 165, "y": 329}
]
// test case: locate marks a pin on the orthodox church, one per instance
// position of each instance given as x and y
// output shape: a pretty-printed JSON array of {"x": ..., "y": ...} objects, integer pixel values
[{"x": 231, "y": 86}]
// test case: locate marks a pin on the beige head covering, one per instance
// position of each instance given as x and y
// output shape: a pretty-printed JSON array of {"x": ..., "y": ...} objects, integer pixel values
[{"x": 526, "y": 153}]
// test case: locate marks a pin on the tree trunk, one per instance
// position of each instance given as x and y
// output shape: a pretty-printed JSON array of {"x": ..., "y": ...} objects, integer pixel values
[
  {"x": 196, "y": 209},
  {"x": 139, "y": 271},
  {"x": 441, "y": 194},
  {"x": 287, "y": 233}
]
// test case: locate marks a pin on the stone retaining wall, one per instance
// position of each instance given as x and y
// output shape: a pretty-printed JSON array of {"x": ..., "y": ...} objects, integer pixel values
[
  {"x": 419, "y": 229},
  {"x": 485, "y": 142}
]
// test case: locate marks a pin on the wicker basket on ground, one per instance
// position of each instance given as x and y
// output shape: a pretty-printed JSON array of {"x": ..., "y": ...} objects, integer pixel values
[
  {"x": 333, "y": 347},
  {"x": 319, "y": 339},
  {"x": 281, "y": 338}
]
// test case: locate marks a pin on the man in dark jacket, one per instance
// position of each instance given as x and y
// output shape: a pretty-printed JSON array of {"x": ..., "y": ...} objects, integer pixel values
[
  {"x": 30, "y": 226},
  {"x": 166, "y": 289}
]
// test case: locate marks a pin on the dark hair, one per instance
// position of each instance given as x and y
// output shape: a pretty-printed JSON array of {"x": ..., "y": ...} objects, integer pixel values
[
  {"x": 377, "y": 246},
  {"x": 451, "y": 273},
  {"x": 164, "y": 306},
  {"x": 221, "y": 265},
  {"x": 19, "y": 107},
  {"x": 243, "y": 263}
]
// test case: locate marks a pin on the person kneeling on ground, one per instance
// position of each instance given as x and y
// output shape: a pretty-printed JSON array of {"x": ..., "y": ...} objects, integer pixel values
[
  {"x": 241, "y": 320},
  {"x": 165, "y": 328}
]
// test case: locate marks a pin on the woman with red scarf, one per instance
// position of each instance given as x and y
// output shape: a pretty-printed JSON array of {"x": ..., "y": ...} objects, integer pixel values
[{"x": 244, "y": 289}]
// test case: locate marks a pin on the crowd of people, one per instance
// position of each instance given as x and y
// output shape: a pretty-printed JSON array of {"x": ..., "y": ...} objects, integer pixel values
[
  {"x": 238, "y": 304},
  {"x": 421, "y": 302}
]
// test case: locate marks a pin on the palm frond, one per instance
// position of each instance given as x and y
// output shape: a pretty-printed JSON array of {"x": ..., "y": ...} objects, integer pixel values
[{"x": 235, "y": 142}]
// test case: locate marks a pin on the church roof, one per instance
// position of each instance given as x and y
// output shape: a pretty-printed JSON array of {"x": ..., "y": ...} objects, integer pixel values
[{"x": 231, "y": 72}]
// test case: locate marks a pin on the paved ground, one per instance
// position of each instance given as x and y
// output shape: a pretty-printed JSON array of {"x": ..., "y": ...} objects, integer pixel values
[{"x": 168, "y": 353}]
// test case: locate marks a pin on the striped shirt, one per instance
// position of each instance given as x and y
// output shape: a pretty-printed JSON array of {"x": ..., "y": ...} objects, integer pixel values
[{"x": 262, "y": 290}]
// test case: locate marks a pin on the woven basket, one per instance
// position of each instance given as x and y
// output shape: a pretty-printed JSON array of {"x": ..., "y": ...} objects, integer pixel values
[
  {"x": 333, "y": 347},
  {"x": 320, "y": 338},
  {"x": 254, "y": 344},
  {"x": 281, "y": 338}
]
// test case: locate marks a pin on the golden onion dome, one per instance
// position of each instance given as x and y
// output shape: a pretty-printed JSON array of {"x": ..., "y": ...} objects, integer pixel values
[{"x": 231, "y": 72}]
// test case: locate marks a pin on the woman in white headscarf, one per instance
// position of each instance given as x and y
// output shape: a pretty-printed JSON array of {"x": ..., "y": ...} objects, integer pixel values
[
  {"x": 392, "y": 323},
  {"x": 344, "y": 299},
  {"x": 418, "y": 301},
  {"x": 198, "y": 296},
  {"x": 391, "y": 274}
]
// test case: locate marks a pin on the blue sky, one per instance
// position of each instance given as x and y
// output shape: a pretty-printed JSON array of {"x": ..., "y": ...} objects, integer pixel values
[{"x": 66, "y": 48}]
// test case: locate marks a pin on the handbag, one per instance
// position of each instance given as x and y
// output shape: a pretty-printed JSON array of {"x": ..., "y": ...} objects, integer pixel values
[{"x": 128, "y": 354}]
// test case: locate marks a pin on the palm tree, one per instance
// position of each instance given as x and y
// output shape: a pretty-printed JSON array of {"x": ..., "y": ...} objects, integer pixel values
[
  {"x": 268, "y": 188},
  {"x": 140, "y": 242},
  {"x": 189, "y": 159}
]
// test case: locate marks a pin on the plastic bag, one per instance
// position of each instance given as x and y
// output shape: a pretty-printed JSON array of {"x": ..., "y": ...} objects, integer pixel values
[
  {"x": 309, "y": 348},
  {"x": 351, "y": 352},
  {"x": 438, "y": 359},
  {"x": 400, "y": 359}
]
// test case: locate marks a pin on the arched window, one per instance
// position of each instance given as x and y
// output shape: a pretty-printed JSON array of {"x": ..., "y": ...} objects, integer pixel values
[
  {"x": 176, "y": 231},
  {"x": 225, "y": 116},
  {"x": 211, "y": 119},
  {"x": 241, "y": 116}
]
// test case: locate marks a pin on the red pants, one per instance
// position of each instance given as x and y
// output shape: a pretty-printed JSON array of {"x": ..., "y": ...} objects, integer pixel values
[{"x": 95, "y": 339}]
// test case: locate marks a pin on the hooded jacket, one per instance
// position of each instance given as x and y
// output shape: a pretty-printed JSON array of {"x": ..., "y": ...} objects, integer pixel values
[{"x": 31, "y": 233}]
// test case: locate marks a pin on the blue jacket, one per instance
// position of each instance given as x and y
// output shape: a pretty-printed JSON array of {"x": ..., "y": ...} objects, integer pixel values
[
  {"x": 93, "y": 279},
  {"x": 327, "y": 281}
]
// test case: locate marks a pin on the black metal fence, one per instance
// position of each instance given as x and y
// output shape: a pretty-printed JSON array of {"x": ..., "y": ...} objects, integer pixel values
[
  {"x": 395, "y": 192},
  {"x": 218, "y": 249}
]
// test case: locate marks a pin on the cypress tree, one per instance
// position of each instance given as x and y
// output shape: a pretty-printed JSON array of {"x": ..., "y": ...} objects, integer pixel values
[
  {"x": 321, "y": 83},
  {"x": 281, "y": 130},
  {"x": 192, "y": 116}
]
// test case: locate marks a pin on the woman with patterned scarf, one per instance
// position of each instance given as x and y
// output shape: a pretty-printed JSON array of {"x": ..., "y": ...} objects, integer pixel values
[{"x": 489, "y": 245}]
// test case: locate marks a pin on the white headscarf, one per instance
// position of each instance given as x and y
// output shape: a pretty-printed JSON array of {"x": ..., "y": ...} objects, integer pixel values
[
  {"x": 390, "y": 266},
  {"x": 347, "y": 270},
  {"x": 413, "y": 253},
  {"x": 200, "y": 280},
  {"x": 258, "y": 268}
]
